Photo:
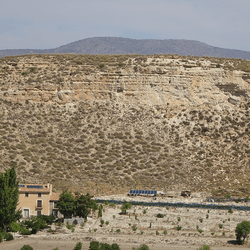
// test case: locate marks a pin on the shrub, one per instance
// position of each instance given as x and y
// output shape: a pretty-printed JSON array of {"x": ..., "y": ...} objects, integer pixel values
[
  {"x": 68, "y": 225},
  {"x": 24, "y": 231},
  {"x": 1, "y": 238},
  {"x": 26, "y": 247},
  {"x": 179, "y": 219},
  {"x": 204, "y": 247},
  {"x": 78, "y": 246},
  {"x": 94, "y": 245},
  {"x": 157, "y": 232},
  {"x": 242, "y": 230},
  {"x": 142, "y": 247},
  {"x": 102, "y": 222},
  {"x": 220, "y": 226},
  {"x": 178, "y": 228},
  {"x": 160, "y": 215},
  {"x": 9, "y": 236},
  {"x": 230, "y": 210}
]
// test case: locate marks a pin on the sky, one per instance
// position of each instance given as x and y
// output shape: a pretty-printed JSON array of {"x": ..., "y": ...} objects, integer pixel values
[{"x": 44, "y": 24}]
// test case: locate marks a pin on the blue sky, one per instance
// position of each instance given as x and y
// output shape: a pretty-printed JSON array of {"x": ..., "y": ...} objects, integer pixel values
[{"x": 45, "y": 24}]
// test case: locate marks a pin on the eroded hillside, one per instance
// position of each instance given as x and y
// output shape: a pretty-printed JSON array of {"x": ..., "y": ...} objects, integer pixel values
[{"x": 110, "y": 123}]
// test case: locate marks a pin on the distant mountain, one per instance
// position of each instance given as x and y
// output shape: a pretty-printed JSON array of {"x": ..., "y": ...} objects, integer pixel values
[{"x": 118, "y": 45}]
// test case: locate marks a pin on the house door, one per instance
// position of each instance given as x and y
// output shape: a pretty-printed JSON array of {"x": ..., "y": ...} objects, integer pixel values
[{"x": 26, "y": 213}]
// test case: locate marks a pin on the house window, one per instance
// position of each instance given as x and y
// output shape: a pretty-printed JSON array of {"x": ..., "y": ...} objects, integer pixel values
[
  {"x": 55, "y": 204},
  {"x": 39, "y": 203},
  {"x": 39, "y": 212},
  {"x": 26, "y": 195},
  {"x": 39, "y": 195},
  {"x": 26, "y": 213}
]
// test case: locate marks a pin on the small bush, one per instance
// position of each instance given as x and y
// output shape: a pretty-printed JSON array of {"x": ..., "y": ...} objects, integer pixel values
[
  {"x": 1, "y": 238},
  {"x": 9, "y": 237},
  {"x": 160, "y": 215},
  {"x": 26, "y": 247},
  {"x": 178, "y": 228},
  {"x": 142, "y": 247},
  {"x": 24, "y": 231},
  {"x": 78, "y": 246},
  {"x": 157, "y": 232},
  {"x": 94, "y": 245},
  {"x": 204, "y": 247},
  {"x": 220, "y": 226}
]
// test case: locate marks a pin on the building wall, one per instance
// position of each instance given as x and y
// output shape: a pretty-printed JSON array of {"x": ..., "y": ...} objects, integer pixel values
[{"x": 30, "y": 203}]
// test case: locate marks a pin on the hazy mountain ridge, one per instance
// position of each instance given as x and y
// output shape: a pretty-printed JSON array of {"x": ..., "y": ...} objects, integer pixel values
[{"x": 116, "y": 45}]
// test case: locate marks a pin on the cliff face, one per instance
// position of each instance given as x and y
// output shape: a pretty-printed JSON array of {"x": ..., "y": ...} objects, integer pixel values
[
  {"x": 134, "y": 121},
  {"x": 163, "y": 82}
]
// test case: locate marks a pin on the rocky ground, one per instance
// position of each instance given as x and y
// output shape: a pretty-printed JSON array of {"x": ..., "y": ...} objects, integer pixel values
[{"x": 180, "y": 228}]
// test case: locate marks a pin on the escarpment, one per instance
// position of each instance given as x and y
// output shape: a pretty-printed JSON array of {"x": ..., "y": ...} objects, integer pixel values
[{"x": 97, "y": 123}]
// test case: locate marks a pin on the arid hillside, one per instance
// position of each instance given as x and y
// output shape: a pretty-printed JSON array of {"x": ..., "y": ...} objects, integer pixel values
[{"x": 105, "y": 124}]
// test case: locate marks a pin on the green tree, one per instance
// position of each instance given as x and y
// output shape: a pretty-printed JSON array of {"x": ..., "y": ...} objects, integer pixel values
[
  {"x": 84, "y": 204},
  {"x": 14, "y": 227},
  {"x": 242, "y": 230},
  {"x": 66, "y": 204},
  {"x": 8, "y": 198},
  {"x": 126, "y": 206}
]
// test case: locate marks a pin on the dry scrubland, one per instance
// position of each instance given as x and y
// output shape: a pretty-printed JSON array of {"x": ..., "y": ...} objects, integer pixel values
[
  {"x": 106, "y": 124},
  {"x": 197, "y": 227}
]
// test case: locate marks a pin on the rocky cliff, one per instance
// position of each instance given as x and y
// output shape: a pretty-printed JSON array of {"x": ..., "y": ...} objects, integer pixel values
[{"x": 127, "y": 121}]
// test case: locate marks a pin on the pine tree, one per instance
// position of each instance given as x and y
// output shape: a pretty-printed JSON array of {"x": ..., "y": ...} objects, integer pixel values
[{"x": 8, "y": 198}]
